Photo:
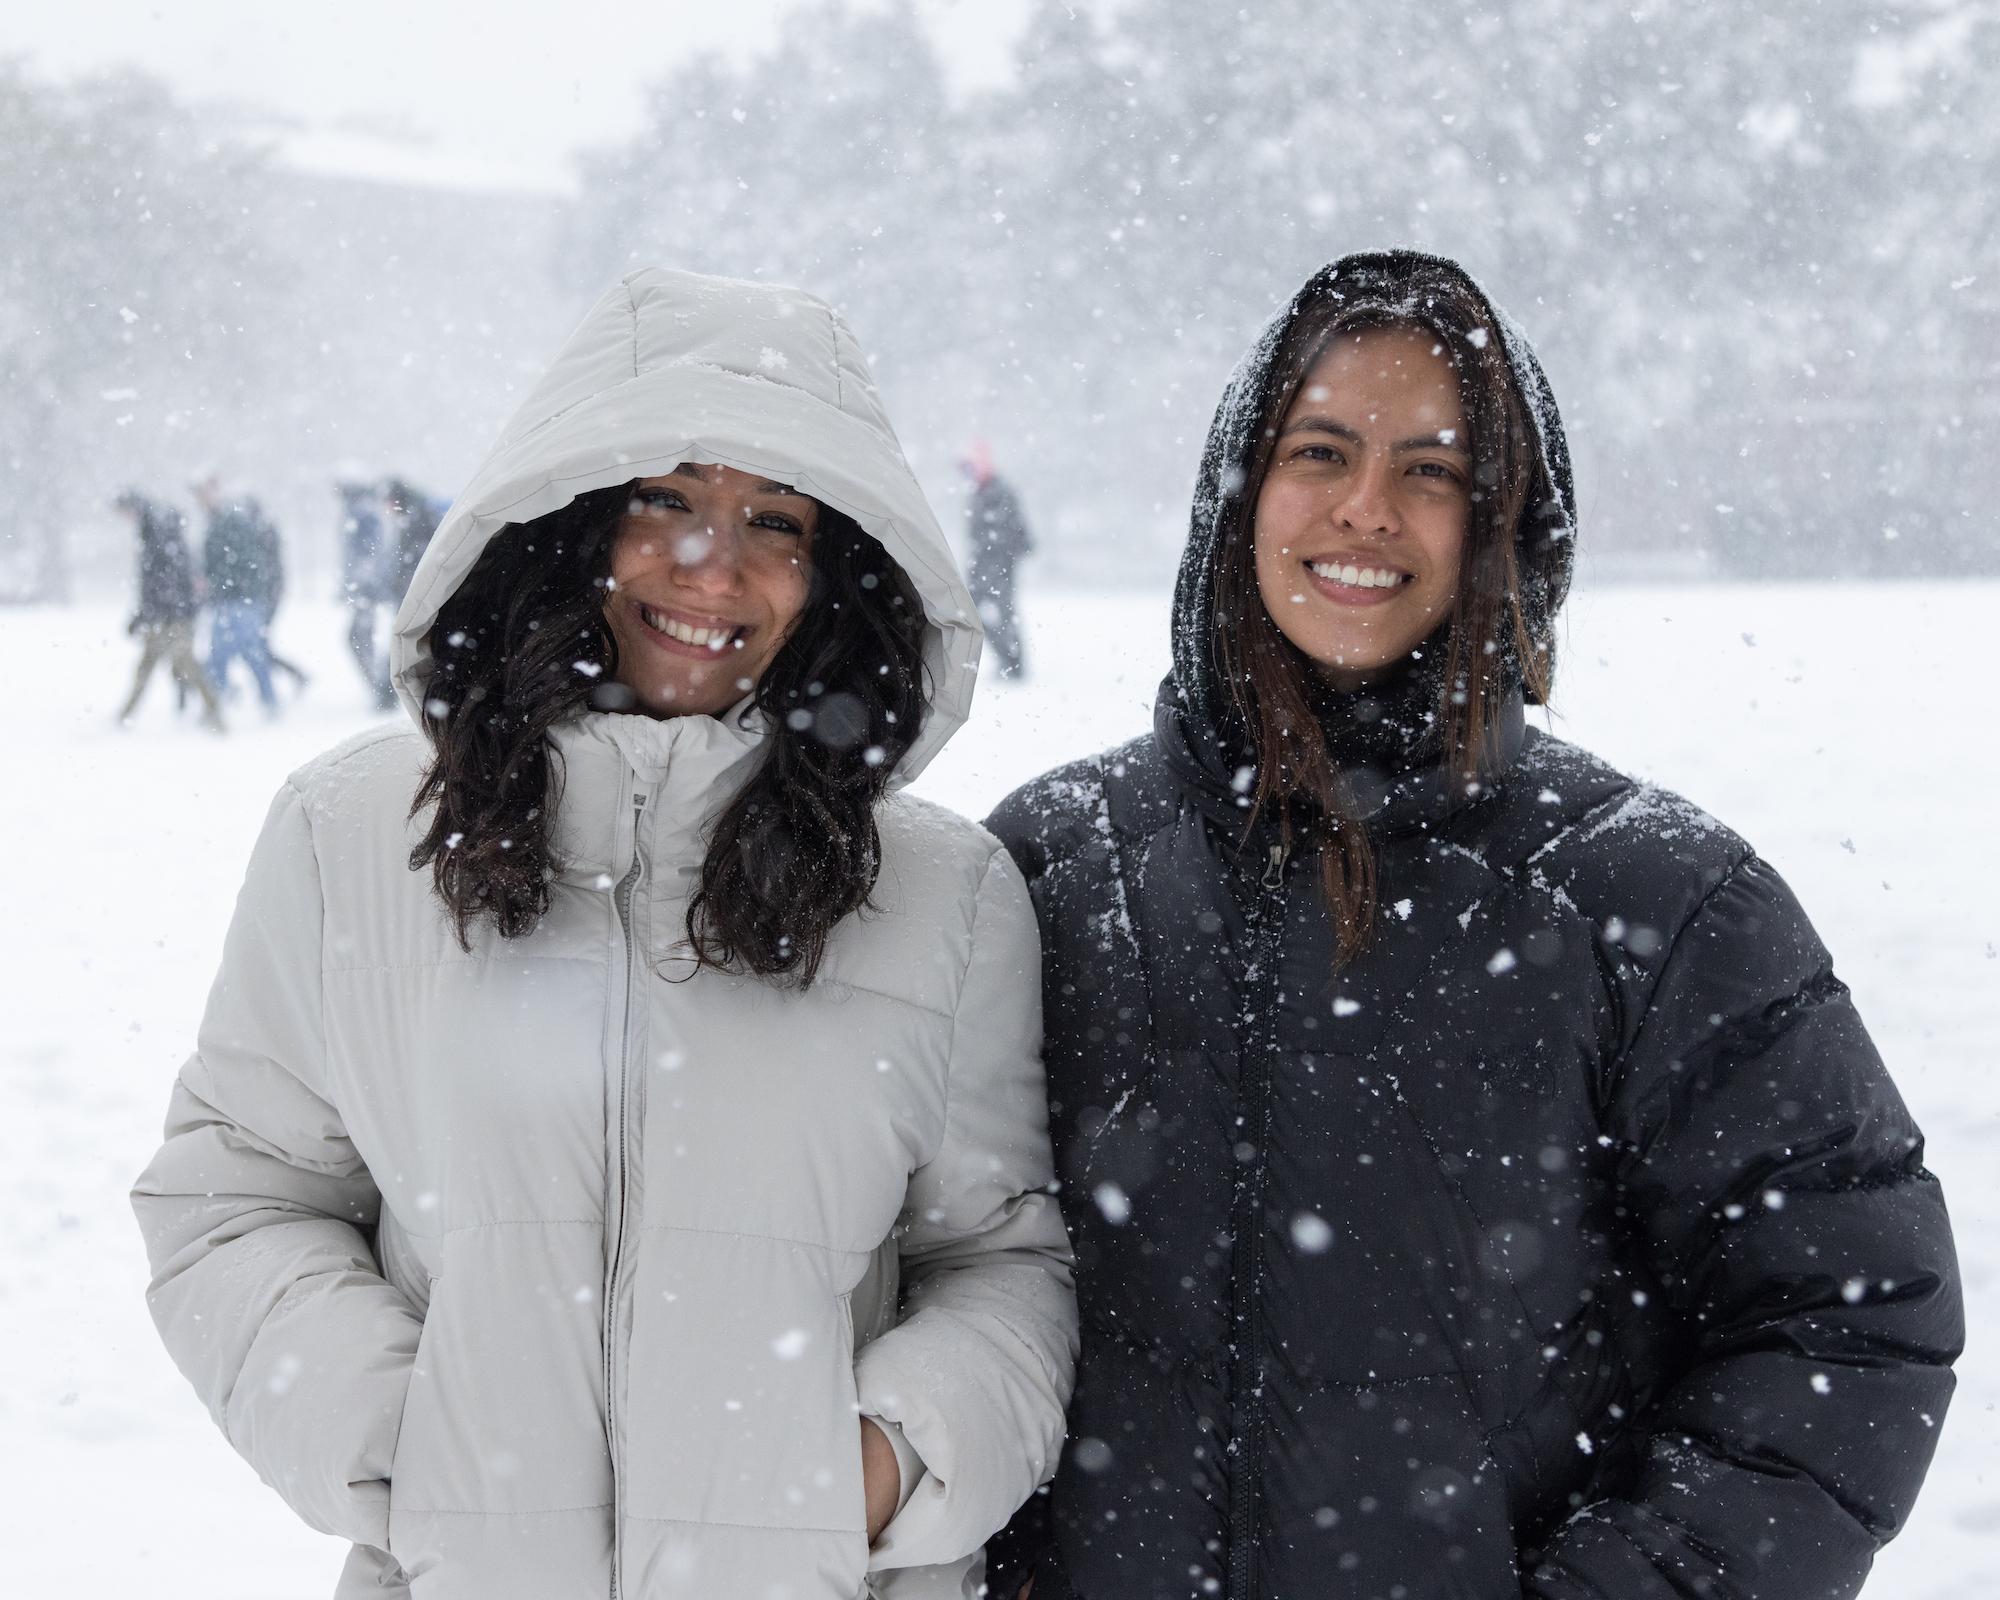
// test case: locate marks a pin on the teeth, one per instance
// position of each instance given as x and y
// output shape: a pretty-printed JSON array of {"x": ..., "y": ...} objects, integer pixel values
[
  {"x": 1356, "y": 577},
  {"x": 712, "y": 638}
]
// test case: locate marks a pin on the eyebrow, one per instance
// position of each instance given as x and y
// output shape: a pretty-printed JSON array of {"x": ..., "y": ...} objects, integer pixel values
[
  {"x": 1340, "y": 430},
  {"x": 760, "y": 485}
]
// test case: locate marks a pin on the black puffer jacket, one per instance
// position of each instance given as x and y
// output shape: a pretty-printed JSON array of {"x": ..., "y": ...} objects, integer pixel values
[{"x": 1572, "y": 1242}]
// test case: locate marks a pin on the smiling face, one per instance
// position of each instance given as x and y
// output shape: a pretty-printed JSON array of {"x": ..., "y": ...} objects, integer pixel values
[
  {"x": 1360, "y": 522},
  {"x": 710, "y": 569}
]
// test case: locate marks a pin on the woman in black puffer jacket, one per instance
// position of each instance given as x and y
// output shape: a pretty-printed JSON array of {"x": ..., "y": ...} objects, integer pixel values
[{"x": 1481, "y": 1184}]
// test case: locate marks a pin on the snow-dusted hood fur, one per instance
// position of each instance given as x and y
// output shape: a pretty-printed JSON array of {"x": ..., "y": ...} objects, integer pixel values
[
  {"x": 1395, "y": 281},
  {"x": 670, "y": 367}
]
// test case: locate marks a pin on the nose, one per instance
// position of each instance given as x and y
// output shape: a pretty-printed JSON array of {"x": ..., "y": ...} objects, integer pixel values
[
  {"x": 1366, "y": 504},
  {"x": 709, "y": 559}
]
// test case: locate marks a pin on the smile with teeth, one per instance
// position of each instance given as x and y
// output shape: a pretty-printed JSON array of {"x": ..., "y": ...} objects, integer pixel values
[
  {"x": 705, "y": 638},
  {"x": 1357, "y": 577}
]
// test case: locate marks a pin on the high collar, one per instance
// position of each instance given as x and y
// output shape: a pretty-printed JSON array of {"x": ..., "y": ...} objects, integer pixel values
[
  {"x": 688, "y": 768},
  {"x": 1394, "y": 796}
]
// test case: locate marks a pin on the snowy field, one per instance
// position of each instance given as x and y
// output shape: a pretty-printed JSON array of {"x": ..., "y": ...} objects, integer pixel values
[{"x": 1835, "y": 726}]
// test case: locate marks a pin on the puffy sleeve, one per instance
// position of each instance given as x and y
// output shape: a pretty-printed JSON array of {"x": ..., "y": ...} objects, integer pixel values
[
  {"x": 978, "y": 1371},
  {"x": 257, "y": 1213},
  {"x": 1777, "y": 1186}
]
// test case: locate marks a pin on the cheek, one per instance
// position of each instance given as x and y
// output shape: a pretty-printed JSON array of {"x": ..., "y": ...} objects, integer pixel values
[
  {"x": 784, "y": 583},
  {"x": 631, "y": 553},
  {"x": 1275, "y": 522},
  {"x": 1444, "y": 540},
  {"x": 1282, "y": 510},
  {"x": 1278, "y": 576}
]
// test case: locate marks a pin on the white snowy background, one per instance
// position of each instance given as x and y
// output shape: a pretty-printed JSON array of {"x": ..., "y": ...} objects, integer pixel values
[
  {"x": 1754, "y": 244},
  {"x": 1805, "y": 716}
]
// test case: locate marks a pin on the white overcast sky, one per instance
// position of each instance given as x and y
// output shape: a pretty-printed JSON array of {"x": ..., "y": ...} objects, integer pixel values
[{"x": 502, "y": 90}]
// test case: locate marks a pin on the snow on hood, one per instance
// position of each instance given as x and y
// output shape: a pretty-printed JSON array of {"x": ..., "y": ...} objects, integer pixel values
[{"x": 670, "y": 367}]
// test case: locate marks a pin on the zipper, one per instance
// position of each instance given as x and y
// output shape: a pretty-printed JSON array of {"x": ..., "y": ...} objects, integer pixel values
[
  {"x": 623, "y": 897},
  {"x": 1247, "y": 1233}
]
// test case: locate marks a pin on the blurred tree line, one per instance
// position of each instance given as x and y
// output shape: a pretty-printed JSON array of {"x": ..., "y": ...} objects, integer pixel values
[
  {"x": 175, "y": 296},
  {"x": 127, "y": 270},
  {"x": 1759, "y": 248}
]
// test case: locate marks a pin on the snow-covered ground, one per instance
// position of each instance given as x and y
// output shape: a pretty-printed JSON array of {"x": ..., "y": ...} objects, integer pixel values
[{"x": 1842, "y": 729}]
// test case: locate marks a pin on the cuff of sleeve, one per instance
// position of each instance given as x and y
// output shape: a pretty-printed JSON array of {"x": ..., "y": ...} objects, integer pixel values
[{"x": 909, "y": 1465}]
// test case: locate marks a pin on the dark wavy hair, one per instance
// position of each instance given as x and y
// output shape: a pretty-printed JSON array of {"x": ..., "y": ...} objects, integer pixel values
[
  {"x": 524, "y": 645},
  {"x": 1489, "y": 647}
]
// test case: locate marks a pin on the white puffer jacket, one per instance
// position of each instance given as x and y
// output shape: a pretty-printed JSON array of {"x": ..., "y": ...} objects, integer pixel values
[{"x": 538, "y": 1273}]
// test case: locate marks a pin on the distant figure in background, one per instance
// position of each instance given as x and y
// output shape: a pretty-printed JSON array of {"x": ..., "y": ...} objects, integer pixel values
[
  {"x": 243, "y": 565},
  {"x": 365, "y": 580},
  {"x": 164, "y": 622},
  {"x": 275, "y": 559},
  {"x": 413, "y": 518},
  {"x": 998, "y": 534}
]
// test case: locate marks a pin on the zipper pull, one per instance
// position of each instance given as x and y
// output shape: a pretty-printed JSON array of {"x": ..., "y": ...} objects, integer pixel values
[
  {"x": 1274, "y": 870},
  {"x": 638, "y": 829}
]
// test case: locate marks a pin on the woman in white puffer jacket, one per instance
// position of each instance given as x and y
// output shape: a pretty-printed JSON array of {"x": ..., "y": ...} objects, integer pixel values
[{"x": 614, "y": 1160}]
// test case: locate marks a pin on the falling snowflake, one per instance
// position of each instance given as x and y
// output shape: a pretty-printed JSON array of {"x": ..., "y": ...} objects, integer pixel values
[{"x": 1312, "y": 1233}]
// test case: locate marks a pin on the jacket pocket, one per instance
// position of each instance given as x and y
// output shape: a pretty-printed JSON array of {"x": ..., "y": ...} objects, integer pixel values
[
  {"x": 402, "y": 1261},
  {"x": 872, "y": 1303},
  {"x": 852, "y": 1340},
  {"x": 418, "y": 1371}
]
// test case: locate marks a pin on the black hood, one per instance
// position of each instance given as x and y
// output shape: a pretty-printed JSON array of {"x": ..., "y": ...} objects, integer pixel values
[{"x": 1401, "y": 282}]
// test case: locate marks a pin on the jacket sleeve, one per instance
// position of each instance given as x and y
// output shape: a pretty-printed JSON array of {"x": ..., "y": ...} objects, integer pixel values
[
  {"x": 978, "y": 1371},
  {"x": 1778, "y": 1188},
  {"x": 256, "y": 1213}
]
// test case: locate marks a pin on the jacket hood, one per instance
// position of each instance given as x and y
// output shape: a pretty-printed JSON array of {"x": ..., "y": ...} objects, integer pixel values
[
  {"x": 671, "y": 367},
  {"x": 1403, "y": 282}
]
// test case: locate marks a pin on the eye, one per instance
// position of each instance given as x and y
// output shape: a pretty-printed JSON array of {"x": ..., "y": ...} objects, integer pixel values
[
  {"x": 1319, "y": 452},
  {"x": 1436, "y": 470},
  {"x": 779, "y": 522},
  {"x": 651, "y": 502}
]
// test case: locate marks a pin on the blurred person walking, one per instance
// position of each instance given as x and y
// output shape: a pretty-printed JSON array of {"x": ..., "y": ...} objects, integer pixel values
[
  {"x": 412, "y": 519},
  {"x": 243, "y": 564},
  {"x": 164, "y": 621},
  {"x": 275, "y": 557},
  {"x": 1482, "y": 1184},
  {"x": 999, "y": 540},
  {"x": 366, "y": 584}
]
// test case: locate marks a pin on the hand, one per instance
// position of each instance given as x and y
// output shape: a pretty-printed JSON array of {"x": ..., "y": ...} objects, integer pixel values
[{"x": 881, "y": 1478}]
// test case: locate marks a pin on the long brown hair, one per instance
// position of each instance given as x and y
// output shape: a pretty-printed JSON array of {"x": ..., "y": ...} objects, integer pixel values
[
  {"x": 1489, "y": 647},
  {"x": 522, "y": 645}
]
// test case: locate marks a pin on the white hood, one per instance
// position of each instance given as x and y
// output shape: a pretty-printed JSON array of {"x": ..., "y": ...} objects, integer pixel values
[{"x": 671, "y": 367}]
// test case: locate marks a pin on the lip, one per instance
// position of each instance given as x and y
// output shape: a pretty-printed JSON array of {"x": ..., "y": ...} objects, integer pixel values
[
  {"x": 1342, "y": 595},
  {"x": 680, "y": 647}
]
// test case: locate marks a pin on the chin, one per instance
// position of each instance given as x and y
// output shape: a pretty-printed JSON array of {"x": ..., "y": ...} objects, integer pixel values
[
  {"x": 1340, "y": 651},
  {"x": 1334, "y": 661},
  {"x": 699, "y": 699}
]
